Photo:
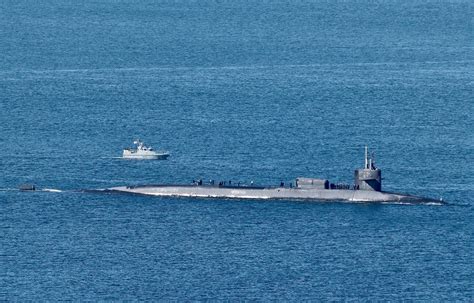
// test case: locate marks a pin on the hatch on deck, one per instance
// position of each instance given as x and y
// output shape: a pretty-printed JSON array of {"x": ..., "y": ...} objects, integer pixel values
[{"x": 312, "y": 183}]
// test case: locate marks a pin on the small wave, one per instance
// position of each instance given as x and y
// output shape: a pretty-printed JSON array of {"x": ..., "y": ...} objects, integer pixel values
[
  {"x": 224, "y": 67},
  {"x": 434, "y": 203},
  {"x": 8, "y": 189},
  {"x": 52, "y": 190}
]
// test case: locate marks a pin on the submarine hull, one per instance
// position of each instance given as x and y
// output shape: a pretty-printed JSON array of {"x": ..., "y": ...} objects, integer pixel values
[{"x": 266, "y": 193}]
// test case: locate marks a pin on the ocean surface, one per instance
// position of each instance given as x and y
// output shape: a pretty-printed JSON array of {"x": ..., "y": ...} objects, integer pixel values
[{"x": 261, "y": 91}]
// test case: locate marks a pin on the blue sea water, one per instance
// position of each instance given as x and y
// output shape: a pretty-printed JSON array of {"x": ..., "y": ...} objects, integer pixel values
[{"x": 236, "y": 90}]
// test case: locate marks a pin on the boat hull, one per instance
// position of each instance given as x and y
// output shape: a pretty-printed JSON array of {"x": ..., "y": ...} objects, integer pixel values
[
  {"x": 272, "y": 193},
  {"x": 146, "y": 157}
]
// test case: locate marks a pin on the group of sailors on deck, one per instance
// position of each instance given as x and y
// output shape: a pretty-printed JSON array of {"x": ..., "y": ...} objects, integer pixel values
[{"x": 221, "y": 183}]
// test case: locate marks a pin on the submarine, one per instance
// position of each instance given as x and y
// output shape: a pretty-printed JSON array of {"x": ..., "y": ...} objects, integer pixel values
[{"x": 367, "y": 187}]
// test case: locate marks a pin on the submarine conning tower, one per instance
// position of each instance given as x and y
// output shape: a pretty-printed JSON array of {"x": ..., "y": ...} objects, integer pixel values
[{"x": 369, "y": 177}]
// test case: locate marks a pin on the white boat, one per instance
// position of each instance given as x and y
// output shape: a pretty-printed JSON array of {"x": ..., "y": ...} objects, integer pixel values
[{"x": 141, "y": 151}]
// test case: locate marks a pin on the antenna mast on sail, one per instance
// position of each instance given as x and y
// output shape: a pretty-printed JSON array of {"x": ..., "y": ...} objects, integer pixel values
[{"x": 366, "y": 158}]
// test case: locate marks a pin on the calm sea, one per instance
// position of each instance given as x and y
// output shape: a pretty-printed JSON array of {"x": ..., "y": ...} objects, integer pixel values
[{"x": 261, "y": 91}]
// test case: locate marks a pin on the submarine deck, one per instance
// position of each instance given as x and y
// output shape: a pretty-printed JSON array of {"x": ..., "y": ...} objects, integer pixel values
[{"x": 259, "y": 192}]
